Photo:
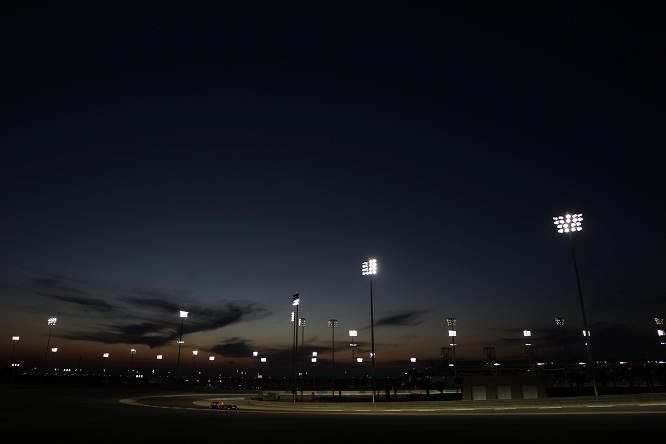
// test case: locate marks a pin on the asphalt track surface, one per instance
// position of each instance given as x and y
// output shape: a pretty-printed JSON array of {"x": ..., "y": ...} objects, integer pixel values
[{"x": 108, "y": 415}]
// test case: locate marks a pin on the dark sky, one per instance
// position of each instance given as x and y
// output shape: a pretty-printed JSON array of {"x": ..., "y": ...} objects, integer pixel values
[{"x": 218, "y": 158}]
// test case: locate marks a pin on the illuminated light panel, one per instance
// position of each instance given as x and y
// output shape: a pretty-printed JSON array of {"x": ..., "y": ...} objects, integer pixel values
[
  {"x": 568, "y": 223},
  {"x": 369, "y": 267}
]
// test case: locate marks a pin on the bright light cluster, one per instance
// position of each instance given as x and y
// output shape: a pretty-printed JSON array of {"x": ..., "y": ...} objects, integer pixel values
[
  {"x": 568, "y": 223},
  {"x": 369, "y": 267}
]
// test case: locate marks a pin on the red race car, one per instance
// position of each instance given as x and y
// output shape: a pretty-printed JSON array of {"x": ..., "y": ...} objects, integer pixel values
[{"x": 221, "y": 405}]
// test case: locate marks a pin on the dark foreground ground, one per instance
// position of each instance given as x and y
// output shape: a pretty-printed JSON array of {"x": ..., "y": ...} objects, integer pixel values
[{"x": 80, "y": 415}]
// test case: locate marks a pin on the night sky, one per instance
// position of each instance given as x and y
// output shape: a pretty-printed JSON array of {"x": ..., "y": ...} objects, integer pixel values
[{"x": 217, "y": 159}]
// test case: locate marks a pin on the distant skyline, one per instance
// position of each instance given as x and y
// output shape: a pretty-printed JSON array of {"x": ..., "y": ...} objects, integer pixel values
[{"x": 218, "y": 159}]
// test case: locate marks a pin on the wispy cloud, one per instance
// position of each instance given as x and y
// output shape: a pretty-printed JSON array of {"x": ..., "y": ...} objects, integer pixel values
[
  {"x": 93, "y": 303},
  {"x": 408, "y": 318}
]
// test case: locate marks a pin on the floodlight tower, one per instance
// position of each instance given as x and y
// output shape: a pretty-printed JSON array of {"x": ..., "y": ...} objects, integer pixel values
[
  {"x": 369, "y": 268},
  {"x": 183, "y": 315},
  {"x": 295, "y": 301},
  {"x": 332, "y": 324},
  {"x": 451, "y": 322},
  {"x": 559, "y": 321},
  {"x": 660, "y": 332},
  {"x": 50, "y": 322},
  {"x": 15, "y": 339},
  {"x": 569, "y": 224}
]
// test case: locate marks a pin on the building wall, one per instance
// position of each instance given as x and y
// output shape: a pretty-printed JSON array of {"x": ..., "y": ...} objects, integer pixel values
[{"x": 494, "y": 387}]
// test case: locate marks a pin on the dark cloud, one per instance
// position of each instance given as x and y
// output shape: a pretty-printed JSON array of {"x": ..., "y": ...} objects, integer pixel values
[
  {"x": 160, "y": 304},
  {"x": 93, "y": 303},
  {"x": 409, "y": 318},
  {"x": 155, "y": 333},
  {"x": 233, "y": 348},
  {"x": 60, "y": 283}
]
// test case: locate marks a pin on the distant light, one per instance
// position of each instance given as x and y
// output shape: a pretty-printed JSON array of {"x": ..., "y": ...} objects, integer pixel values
[
  {"x": 105, "y": 355},
  {"x": 332, "y": 323},
  {"x": 195, "y": 352},
  {"x": 451, "y": 322},
  {"x": 412, "y": 360},
  {"x": 369, "y": 267},
  {"x": 15, "y": 338},
  {"x": 497, "y": 364},
  {"x": 52, "y": 321},
  {"x": 183, "y": 314},
  {"x": 255, "y": 354},
  {"x": 295, "y": 299},
  {"x": 559, "y": 321},
  {"x": 359, "y": 360},
  {"x": 660, "y": 332},
  {"x": 527, "y": 333},
  {"x": 587, "y": 333},
  {"x": 452, "y": 333},
  {"x": 313, "y": 359},
  {"x": 353, "y": 333},
  {"x": 159, "y": 356},
  {"x": 450, "y": 365},
  {"x": 301, "y": 322},
  {"x": 180, "y": 342},
  {"x": 263, "y": 359},
  {"x": 133, "y": 351},
  {"x": 659, "y": 320},
  {"x": 568, "y": 223},
  {"x": 54, "y": 349},
  {"x": 314, "y": 353},
  {"x": 211, "y": 358}
]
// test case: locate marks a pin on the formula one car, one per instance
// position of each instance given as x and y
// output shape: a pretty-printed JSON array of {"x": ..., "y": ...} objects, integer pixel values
[{"x": 221, "y": 405}]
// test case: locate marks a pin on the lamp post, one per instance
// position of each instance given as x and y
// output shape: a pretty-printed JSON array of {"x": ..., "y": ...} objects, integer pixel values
[
  {"x": 194, "y": 361},
  {"x": 568, "y": 224},
  {"x": 529, "y": 348},
  {"x": 559, "y": 321},
  {"x": 50, "y": 322},
  {"x": 15, "y": 339},
  {"x": 132, "y": 353},
  {"x": 183, "y": 315},
  {"x": 451, "y": 322},
  {"x": 101, "y": 362},
  {"x": 295, "y": 301},
  {"x": 660, "y": 332},
  {"x": 353, "y": 344},
  {"x": 54, "y": 350},
  {"x": 369, "y": 268},
  {"x": 332, "y": 323}
]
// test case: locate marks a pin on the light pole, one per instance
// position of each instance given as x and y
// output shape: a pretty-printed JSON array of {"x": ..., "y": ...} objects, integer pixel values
[
  {"x": 568, "y": 224},
  {"x": 132, "y": 353},
  {"x": 559, "y": 321},
  {"x": 54, "y": 350},
  {"x": 301, "y": 323},
  {"x": 50, "y": 322},
  {"x": 15, "y": 339},
  {"x": 529, "y": 348},
  {"x": 352, "y": 344},
  {"x": 295, "y": 301},
  {"x": 332, "y": 323},
  {"x": 369, "y": 268},
  {"x": 194, "y": 363},
  {"x": 183, "y": 315},
  {"x": 660, "y": 332},
  {"x": 451, "y": 322}
]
